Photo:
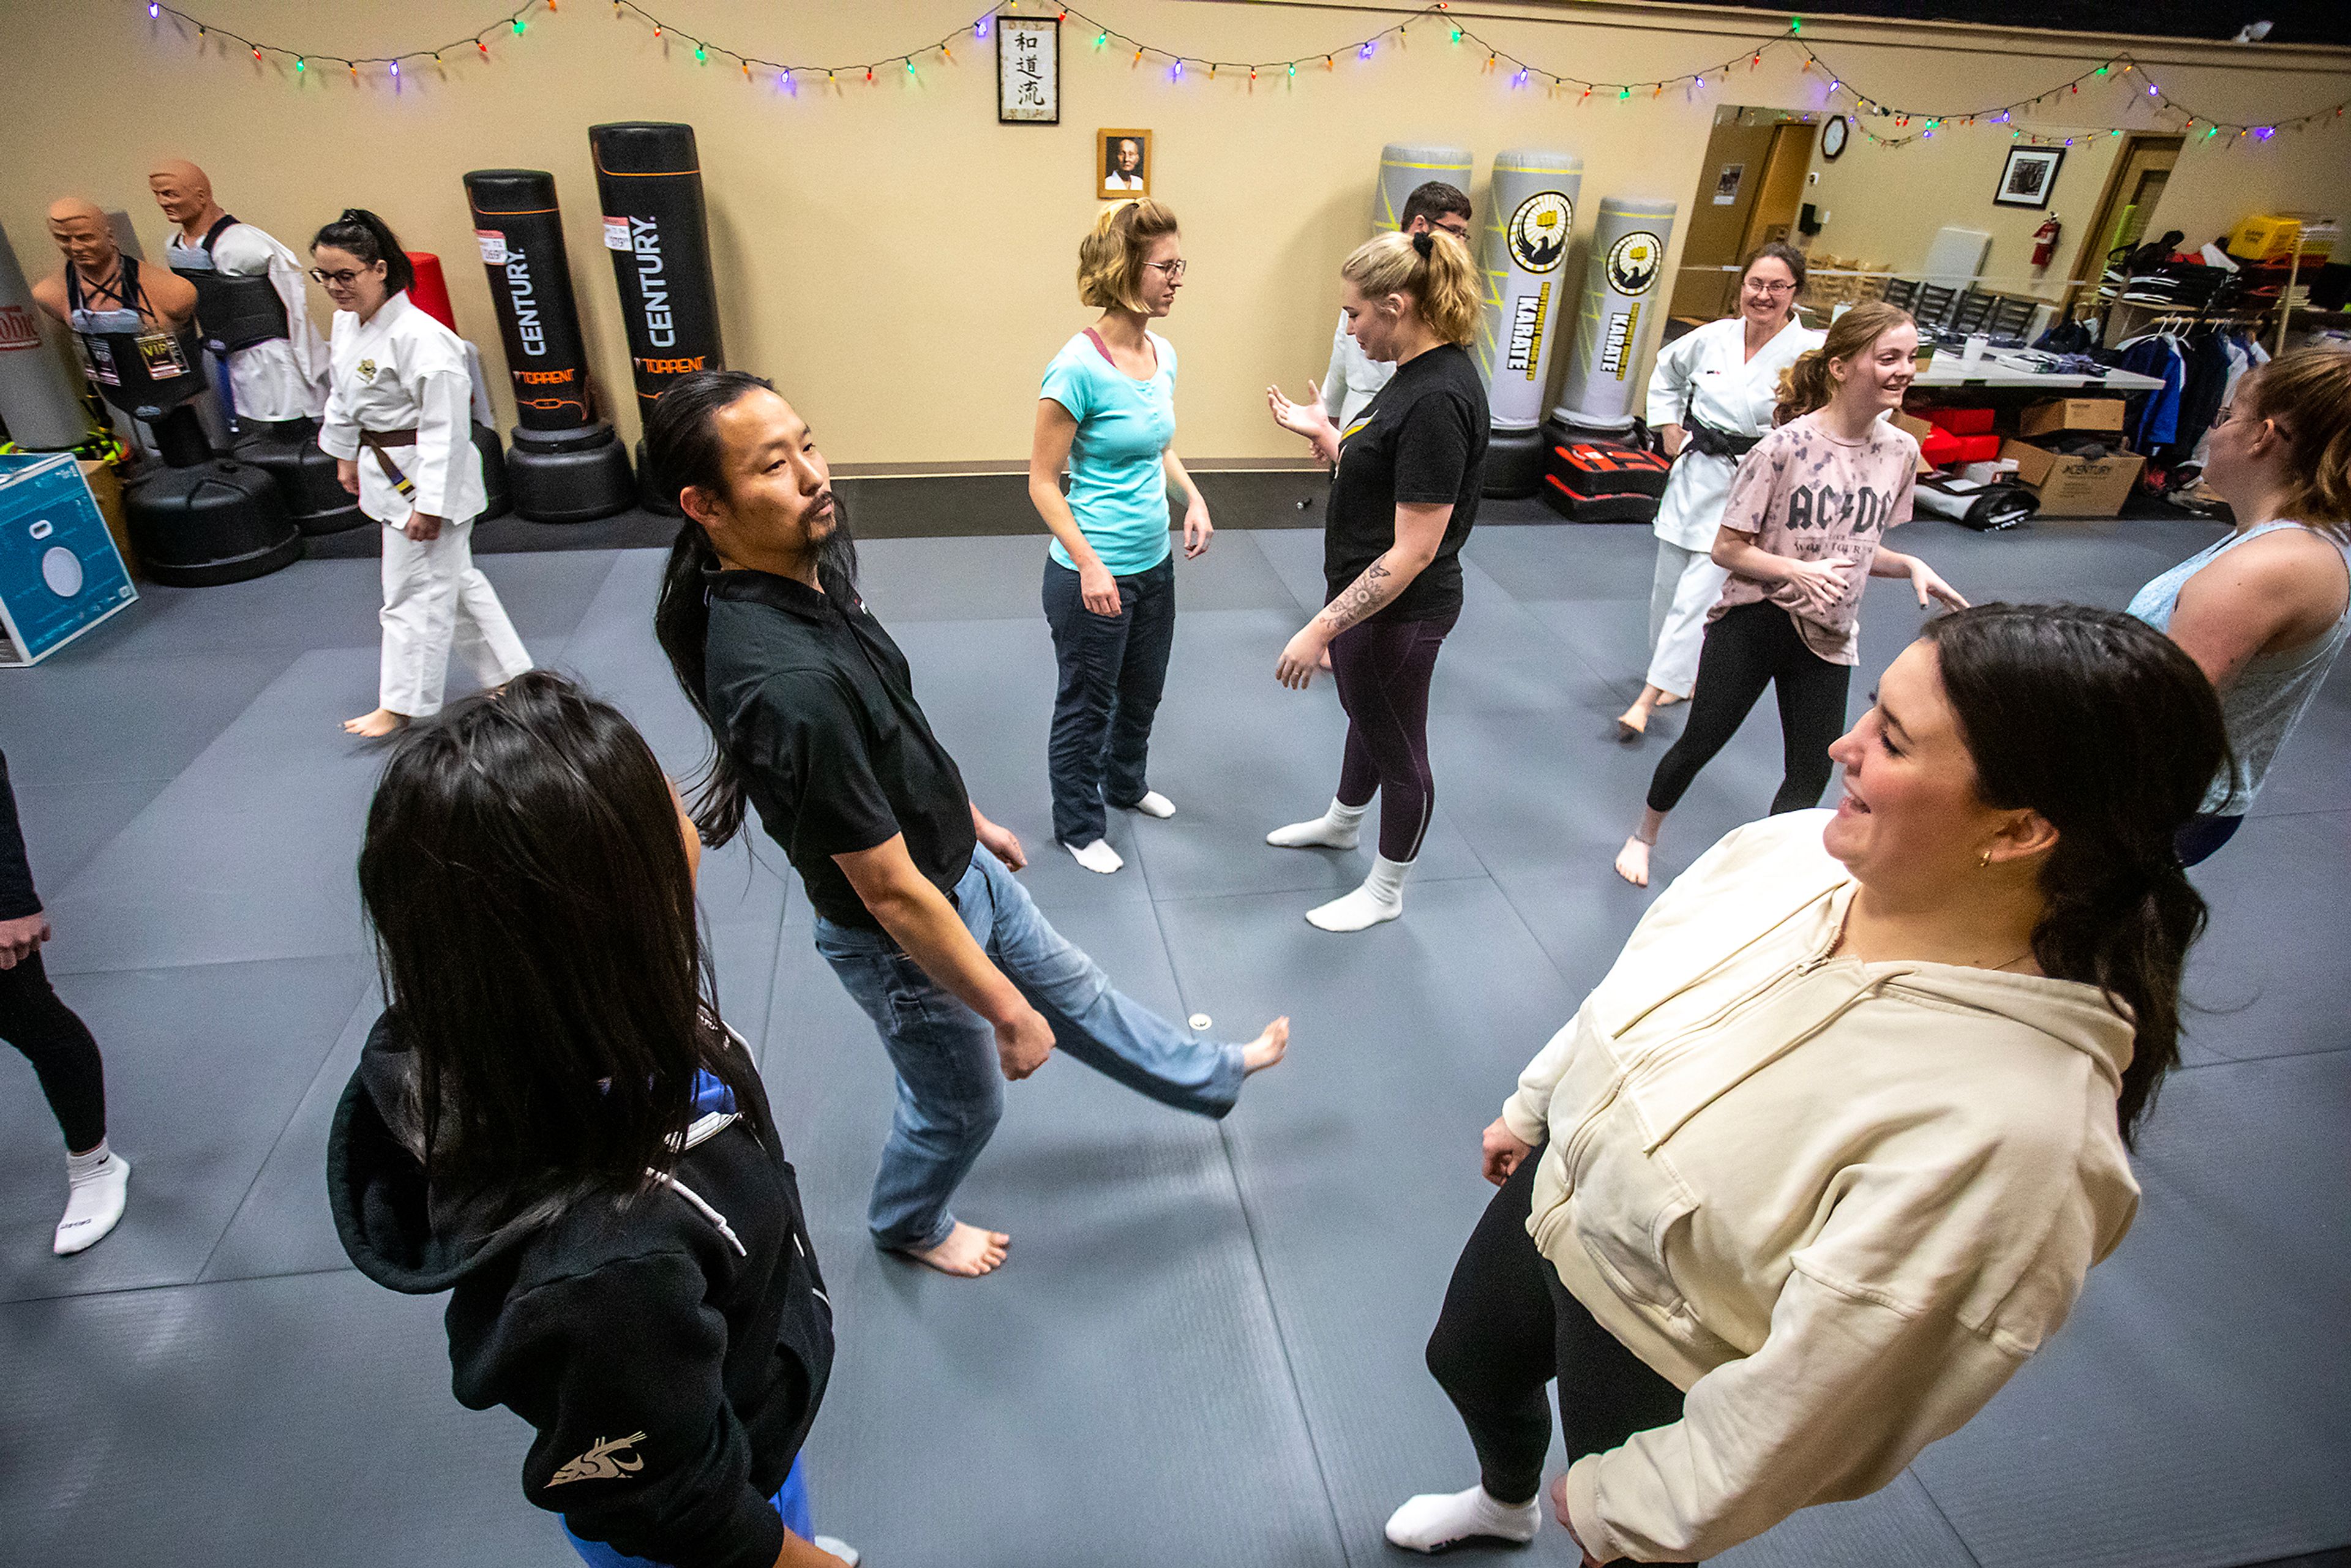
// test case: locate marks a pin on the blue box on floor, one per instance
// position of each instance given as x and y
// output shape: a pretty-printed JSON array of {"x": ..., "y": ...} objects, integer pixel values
[{"x": 60, "y": 572}]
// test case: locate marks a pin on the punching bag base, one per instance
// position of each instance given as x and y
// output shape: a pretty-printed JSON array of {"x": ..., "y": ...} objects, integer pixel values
[
  {"x": 1513, "y": 464},
  {"x": 498, "y": 500},
  {"x": 569, "y": 475},
  {"x": 287, "y": 451},
  {"x": 211, "y": 523},
  {"x": 649, "y": 491}
]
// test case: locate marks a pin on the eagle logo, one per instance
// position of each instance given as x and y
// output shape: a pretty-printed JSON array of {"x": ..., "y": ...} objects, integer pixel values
[
  {"x": 1635, "y": 261},
  {"x": 608, "y": 1460},
  {"x": 367, "y": 370},
  {"x": 1538, "y": 231}
]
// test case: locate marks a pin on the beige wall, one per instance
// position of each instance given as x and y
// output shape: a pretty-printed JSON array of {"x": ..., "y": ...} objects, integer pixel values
[
  {"x": 901, "y": 263},
  {"x": 1882, "y": 204}
]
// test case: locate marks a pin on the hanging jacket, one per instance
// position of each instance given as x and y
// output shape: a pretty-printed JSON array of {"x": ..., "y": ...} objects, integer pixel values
[
  {"x": 2151, "y": 419},
  {"x": 670, "y": 1350}
]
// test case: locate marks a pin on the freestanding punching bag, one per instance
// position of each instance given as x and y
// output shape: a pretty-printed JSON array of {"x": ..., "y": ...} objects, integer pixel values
[
  {"x": 1529, "y": 217},
  {"x": 649, "y": 178},
  {"x": 429, "y": 292},
  {"x": 1405, "y": 168},
  {"x": 566, "y": 465},
  {"x": 38, "y": 405},
  {"x": 1620, "y": 296}
]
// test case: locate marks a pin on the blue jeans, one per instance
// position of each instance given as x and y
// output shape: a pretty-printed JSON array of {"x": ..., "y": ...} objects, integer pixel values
[
  {"x": 791, "y": 1502},
  {"x": 950, "y": 1085},
  {"x": 1114, "y": 669}
]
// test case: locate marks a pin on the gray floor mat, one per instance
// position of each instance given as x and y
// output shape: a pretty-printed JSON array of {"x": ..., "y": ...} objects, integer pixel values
[{"x": 1208, "y": 1347}]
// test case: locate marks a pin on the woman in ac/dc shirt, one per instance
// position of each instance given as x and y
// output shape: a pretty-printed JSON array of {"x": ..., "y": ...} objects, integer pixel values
[{"x": 1800, "y": 533}]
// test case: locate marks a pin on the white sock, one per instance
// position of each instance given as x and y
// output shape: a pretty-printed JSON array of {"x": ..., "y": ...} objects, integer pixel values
[
  {"x": 1380, "y": 898},
  {"x": 1155, "y": 804},
  {"x": 1096, "y": 856},
  {"x": 838, "y": 1547},
  {"x": 97, "y": 1187},
  {"x": 1337, "y": 829},
  {"x": 1435, "y": 1520}
]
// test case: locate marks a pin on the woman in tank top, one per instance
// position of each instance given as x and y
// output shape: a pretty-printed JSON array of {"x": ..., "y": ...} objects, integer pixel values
[{"x": 2264, "y": 610}]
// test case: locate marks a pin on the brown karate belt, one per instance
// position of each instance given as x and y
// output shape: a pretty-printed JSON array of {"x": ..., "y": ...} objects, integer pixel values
[{"x": 376, "y": 441}]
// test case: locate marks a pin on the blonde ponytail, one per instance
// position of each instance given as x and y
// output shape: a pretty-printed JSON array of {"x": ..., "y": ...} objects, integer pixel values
[
  {"x": 1806, "y": 385},
  {"x": 1433, "y": 267}
]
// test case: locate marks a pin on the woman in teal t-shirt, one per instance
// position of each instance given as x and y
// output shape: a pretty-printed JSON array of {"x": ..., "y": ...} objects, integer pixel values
[{"x": 1108, "y": 413}]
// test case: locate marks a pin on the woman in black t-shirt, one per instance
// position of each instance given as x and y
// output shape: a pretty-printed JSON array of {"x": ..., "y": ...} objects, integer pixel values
[{"x": 1403, "y": 493}]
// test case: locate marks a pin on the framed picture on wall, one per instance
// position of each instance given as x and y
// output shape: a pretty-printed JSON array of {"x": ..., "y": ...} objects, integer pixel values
[
  {"x": 1122, "y": 164},
  {"x": 2030, "y": 174},
  {"x": 1028, "y": 70}
]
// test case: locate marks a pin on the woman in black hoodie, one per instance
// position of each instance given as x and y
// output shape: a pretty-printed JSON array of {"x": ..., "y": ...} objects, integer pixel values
[{"x": 551, "y": 1122}]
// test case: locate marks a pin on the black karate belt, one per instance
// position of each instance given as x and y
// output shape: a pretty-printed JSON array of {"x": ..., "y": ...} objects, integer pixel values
[
  {"x": 376, "y": 441},
  {"x": 1708, "y": 440}
]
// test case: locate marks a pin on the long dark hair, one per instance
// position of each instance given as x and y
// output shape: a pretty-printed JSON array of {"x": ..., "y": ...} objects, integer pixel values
[
  {"x": 2103, "y": 725},
  {"x": 369, "y": 239},
  {"x": 534, "y": 923},
  {"x": 684, "y": 447}
]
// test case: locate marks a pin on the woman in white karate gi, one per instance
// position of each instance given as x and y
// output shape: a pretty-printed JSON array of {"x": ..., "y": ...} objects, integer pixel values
[
  {"x": 399, "y": 424},
  {"x": 1711, "y": 399}
]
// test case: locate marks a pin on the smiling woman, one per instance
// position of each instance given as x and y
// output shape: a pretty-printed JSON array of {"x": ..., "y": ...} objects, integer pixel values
[
  {"x": 1801, "y": 530},
  {"x": 1998, "y": 882}
]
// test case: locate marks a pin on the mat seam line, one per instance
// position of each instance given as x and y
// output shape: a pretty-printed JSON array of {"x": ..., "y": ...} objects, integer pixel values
[
  {"x": 1936, "y": 1503},
  {"x": 1257, "y": 1250},
  {"x": 247, "y": 1195},
  {"x": 199, "y": 1285}
]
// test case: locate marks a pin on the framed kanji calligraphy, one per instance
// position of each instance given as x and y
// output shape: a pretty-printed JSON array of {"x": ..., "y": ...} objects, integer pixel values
[{"x": 1028, "y": 70}]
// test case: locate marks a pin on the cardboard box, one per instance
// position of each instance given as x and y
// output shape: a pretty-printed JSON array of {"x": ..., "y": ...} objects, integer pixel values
[
  {"x": 106, "y": 489},
  {"x": 1919, "y": 430},
  {"x": 2075, "y": 487},
  {"x": 2070, "y": 413}
]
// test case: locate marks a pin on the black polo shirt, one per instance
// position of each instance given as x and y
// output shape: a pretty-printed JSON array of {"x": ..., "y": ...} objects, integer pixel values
[
  {"x": 1421, "y": 441},
  {"x": 816, "y": 706}
]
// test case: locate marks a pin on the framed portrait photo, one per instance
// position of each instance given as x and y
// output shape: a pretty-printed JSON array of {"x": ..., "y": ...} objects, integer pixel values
[
  {"x": 2029, "y": 176},
  {"x": 1028, "y": 70},
  {"x": 1122, "y": 164}
]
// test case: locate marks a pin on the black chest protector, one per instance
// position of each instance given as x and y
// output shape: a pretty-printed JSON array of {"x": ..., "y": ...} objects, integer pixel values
[
  {"x": 137, "y": 365},
  {"x": 231, "y": 313}
]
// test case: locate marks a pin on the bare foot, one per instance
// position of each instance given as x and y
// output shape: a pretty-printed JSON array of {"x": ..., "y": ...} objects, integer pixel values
[
  {"x": 1667, "y": 699},
  {"x": 968, "y": 1253},
  {"x": 1634, "y": 722},
  {"x": 1267, "y": 1048},
  {"x": 376, "y": 725},
  {"x": 1633, "y": 863}
]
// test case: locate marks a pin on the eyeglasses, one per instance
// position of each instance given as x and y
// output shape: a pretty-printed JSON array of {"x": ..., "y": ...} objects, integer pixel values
[
  {"x": 337, "y": 279},
  {"x": 1775, "y": 290},
  {"x": 1174, "y": 269}
]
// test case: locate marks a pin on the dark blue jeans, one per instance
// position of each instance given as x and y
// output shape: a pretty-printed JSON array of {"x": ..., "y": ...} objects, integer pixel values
[{"x": 1114, "y": 668}]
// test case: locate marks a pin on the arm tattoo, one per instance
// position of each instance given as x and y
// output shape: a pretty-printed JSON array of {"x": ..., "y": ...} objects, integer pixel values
[{"x": 1362, "y": 597}]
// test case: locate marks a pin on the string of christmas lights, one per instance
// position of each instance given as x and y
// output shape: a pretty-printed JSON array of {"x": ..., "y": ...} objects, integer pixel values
[{"x": 1521, "y": 72}]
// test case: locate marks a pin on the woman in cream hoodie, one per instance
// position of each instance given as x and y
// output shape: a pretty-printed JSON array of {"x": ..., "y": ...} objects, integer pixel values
[{"x": 1827, "y": 1154}]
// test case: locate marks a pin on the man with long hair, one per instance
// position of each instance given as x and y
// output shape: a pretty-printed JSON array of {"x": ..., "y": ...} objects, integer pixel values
[{"x": 812, "y": 709}]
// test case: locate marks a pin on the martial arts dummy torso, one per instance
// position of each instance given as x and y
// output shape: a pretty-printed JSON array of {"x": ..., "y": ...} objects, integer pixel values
[
  {"x": 250, "y": 310},
  {"x": 134, "y": 356}
]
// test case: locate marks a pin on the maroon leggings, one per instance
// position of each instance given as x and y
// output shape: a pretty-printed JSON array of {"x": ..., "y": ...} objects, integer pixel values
[{"x": 1383, "y": 669}]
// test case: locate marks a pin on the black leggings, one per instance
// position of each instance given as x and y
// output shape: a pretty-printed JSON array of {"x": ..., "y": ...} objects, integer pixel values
[
  {"x": 1747, "y": 648},
  {"x": 1382, "y": 668},
  {"x": 35, "y": 1022},
  {"x": 1509, "y": 1327}
]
